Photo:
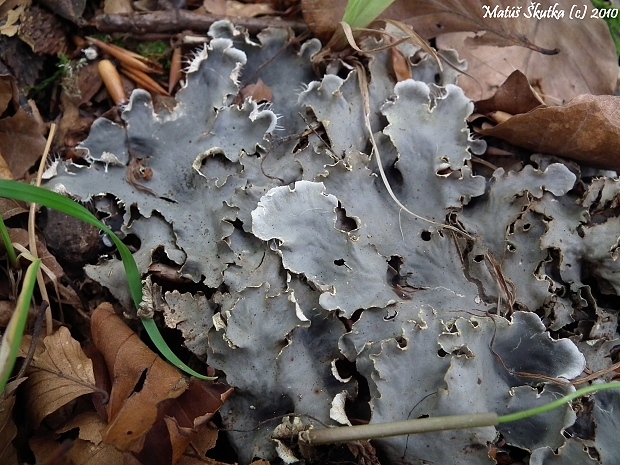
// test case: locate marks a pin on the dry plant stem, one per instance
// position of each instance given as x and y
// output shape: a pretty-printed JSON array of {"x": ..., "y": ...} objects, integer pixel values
[
  {"x": 421, "y": 425},
  {"x": 363, "y": 84},
  {"x": 182, "y": 20},
  {"x": 32, "y": 242},
  {"x": 597, "y": 374}
]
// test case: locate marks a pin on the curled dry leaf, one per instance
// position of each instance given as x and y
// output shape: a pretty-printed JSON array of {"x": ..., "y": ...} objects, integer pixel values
[
  {"x": 141, "y": 381},
  {"x": 586, "y": 129},
  {"x": 515, "y": 96},
  {"x": 183, "y": 420},
  {"x": 58, "y": 375}
]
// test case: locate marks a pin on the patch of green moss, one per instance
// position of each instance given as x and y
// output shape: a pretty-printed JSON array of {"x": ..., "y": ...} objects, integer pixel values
[{"x": 156, "y": 51}]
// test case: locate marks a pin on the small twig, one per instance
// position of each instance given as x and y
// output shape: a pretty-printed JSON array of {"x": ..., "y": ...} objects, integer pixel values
[{"x": 182, "y": 20}]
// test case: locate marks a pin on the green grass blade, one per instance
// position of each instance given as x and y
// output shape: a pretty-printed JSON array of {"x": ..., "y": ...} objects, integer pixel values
[
  {"x": 12, "y": 338},
  {"x": 558, "y": 403},
  {"x": 153, "y": 332},
  {"x": 10, "y": 250},
  {"x": 27, "y": 193},
  {"x": 360, "y": 13}
]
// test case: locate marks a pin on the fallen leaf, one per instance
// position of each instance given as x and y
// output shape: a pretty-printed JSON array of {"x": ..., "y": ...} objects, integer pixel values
[
  {"x": 587, "y": 62},
  {"x": 21, "y": 62},
  {"x": 11, "y": 26},
  {"x": 140, "y": 380},
  {"x": 57, "y": 376},
  {"x": 400, "y": 65},
  {"x": 215, "y": 7},
  {"x": 73, "y": 126},
  {"x": 46, "y": 446},
  {"x": 8, "y": 431},
  {"x": 9, "y": 208},
  {"x": 238, "y": 9},
  {"x": 205, "y": 440},
  {"x": 9, "y": 92},
  {"x": 586, "y": 129},
  {"x": 21, "y": 138},
  {"x": 259, "y": 92},
  {"x": 117, "y": 7},
  {"x": 181, "y": 420},
  {"x": 319, "y": 16},
  {"x": 88, "y": 447},
  {"x": 430, "y": 18},
  {"x": 68, "y": 9},
  {"x": 84, "y": 453},
  {"x": 5, "y": 172},
  {"x": 20, "y": 236},
  {"x": 515, "y": 96},
  {"x": 43, "y": 31}
]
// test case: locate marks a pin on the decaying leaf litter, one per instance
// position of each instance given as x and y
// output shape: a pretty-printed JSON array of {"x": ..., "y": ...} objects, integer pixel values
[{"x": 316, "y": 297}]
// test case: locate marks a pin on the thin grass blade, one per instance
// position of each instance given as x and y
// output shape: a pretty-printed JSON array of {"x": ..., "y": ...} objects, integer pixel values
[
  {"x": 27, "y": 193},
  {"x": 10, "y": 250},
  {"x": 12, "y": 338},
  {"x": 360, "y": 13}
]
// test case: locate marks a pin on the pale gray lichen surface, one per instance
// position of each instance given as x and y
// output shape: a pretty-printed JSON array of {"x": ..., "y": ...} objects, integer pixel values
[{"x": 309, "y": 265}]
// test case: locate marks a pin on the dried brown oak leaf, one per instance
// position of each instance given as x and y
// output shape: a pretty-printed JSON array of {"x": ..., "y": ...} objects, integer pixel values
[
  {"x": 431, "y": 18},
  {"x": 21, "y": 138},
  {"x": 587, "y": 62},
  {"x": 183, "y": 421},
  {"x": 88, "y": 447},
  {"x": 586, "y": 129},
  {"x": 259, "y": 92},
  {"x": 57, "y": 375},
  {"x": 141, "y": 381},
  {"x": 515, "y": 96},
  {"x": 8, "y": 431}
]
